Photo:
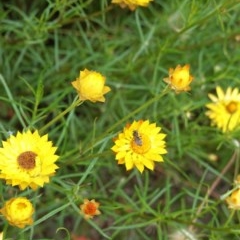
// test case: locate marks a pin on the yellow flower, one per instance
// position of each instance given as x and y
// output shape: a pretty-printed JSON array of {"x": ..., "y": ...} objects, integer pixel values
[
  {"x": 224, "y": 111},
  {"x": 27, "y": 160},
  {"x": 89, "y": 208},
  {"x": 90, "y": 85},
  {"x": 18, "y": 212},
  {"x": 233, "y": 201},
  {"x": 179, "y": 78},
  {"x": 140, "y": 144},
  {"x": 132, "y": 4}
]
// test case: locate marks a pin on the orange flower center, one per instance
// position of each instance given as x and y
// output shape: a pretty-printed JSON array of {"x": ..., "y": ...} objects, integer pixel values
[
  {"x": 26, "y": 160},
  {"x": 234, "y": 200},
  {"x": 90, "y": 208},
  {"x": 140, "y": 143},
  {"x": 232, "y": 107}
]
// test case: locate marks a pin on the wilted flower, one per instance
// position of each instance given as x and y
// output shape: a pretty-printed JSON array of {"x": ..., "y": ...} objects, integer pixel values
[
  {"x": 179, "y": 78},
  {"x": 140, "y": 144},
  {"x": 18, "y": 212},
  {"x": 90, "y": 85},
  {"x": 89, "y": 208},
  {"x": 132, "y": 4},
  {"x": 27, "y": 160},
  {"x": 224, "y": 111}
]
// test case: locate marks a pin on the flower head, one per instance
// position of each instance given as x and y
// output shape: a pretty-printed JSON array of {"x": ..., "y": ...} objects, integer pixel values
[
  {"x": 89, "y": 208},
  {"x": 179, "y": 78},
  {"x": 27, "y": 159},
  {"x": 233, "y": 200},
  {"x": 90, "y": 85},
  {"x": 132, "y": 4},
  {"x": 140, "y": 144},
  {"x": 224, "y": 111},
  {"x": 18, "y": 212}
]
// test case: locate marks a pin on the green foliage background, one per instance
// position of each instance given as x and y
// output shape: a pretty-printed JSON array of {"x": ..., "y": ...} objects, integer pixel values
[{"x": 44, "y": 45}]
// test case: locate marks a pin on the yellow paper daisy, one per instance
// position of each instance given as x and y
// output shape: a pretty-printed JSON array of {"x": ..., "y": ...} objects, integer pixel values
[
  {"x": 179, "y": 78},
  {"x": 233, "y": 200},
  {"x": 140, "y": 144},
  {"x": 90, "y": 85},
  {"x": 27, "y": 159},
  {"x": 132, "y": 4},
  {"x": 224, "y": 111},
  {"x": 18, "y": 212},
  {"x": 89, "y": 209}
]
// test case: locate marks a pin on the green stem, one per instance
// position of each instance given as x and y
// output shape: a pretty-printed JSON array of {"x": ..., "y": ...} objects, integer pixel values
[
  {"x": 229, "y": 219},
  {"x": 75, "y": 103},
  {"x": 4, "y": 232},
  {"x": 145, "y": 105}
]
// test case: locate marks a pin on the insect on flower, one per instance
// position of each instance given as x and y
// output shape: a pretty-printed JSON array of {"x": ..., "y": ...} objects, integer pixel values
[
  {"x": 137, "y": 138},
  {"x": 140, "y": 145}
]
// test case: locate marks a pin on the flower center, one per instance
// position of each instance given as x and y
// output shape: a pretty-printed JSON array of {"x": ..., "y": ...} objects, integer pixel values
[
  {"x": 232, "y": 107},
  {"x": 26, "y": 160},
  {"x": 180, "y": 78},
  {"x": 140, "y": 143},
  {"x": 21, "y": 206},
  {"x": 90, "y": 208}
]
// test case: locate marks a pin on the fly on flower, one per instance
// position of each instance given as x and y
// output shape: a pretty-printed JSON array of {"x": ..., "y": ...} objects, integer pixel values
[
  {"x": 140, "y": 145},
  {"x": 137, "y": 138}
]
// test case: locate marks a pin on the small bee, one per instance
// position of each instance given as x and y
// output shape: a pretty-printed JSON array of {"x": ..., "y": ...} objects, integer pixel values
[{"x": 137, "y": 139}]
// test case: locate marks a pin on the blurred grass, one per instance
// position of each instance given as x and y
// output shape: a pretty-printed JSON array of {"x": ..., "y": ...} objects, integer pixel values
[{"x": 44, "y": 45}]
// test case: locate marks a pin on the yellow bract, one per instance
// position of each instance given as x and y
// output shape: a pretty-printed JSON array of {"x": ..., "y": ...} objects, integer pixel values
[
  {"x": 179, "y": 78},
  {"x": 90, "y": 85},
  {"x": 233, "y": 201},
  {"x": 140, "y": 145},
  {"x": 224, "y": 111},
  {"x": 89, "y": 208},
  {"x": 18, "y": 212},
  {"x": 132, "y": 4},
  {"x": 27, "y": 160}
]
